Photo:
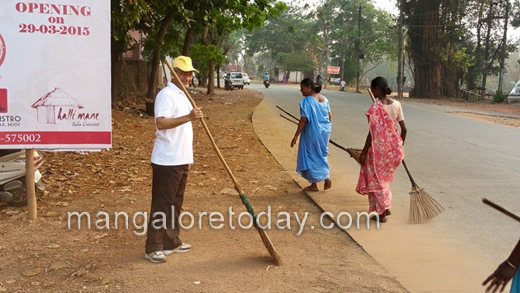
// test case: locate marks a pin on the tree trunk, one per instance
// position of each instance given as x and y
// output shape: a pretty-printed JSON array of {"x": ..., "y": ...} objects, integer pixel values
[
  {"x": 187, "y": 42},
  {"x": 449, "y": 73},
  {"x": 211, "y": 79},
  {"x": 211, "y": 67},
  {"x": 157, "y": 56},
  {"x": 425, "y": 50},
  {"x": 218, "y": 75},
  {"x": 116, "y": 76}
]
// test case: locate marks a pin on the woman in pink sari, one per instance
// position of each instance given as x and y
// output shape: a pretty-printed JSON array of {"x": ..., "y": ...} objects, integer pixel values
[{"x": 383, "y": 151}]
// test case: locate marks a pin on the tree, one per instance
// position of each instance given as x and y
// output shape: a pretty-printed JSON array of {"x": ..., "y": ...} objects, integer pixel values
[
  {"x": 233, "y": 16},
  {"x": 326, "y": 34},
  {"x": 424, "y": 46},
  {"x": 126, "y": 15},
  {"x": 448, "y": 41},
  {"x": 289, "y": 40}
]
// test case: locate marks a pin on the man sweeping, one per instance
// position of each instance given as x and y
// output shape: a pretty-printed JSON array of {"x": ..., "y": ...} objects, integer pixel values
[{"x": 171, "y": 158}]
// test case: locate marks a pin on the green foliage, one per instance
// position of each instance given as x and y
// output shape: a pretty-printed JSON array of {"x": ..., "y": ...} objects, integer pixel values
[
  {"x": 202, "y": 55},
  {"x": 170, "y": 46},
  {"x": 300, "y": 36},
  {"x": 125, "y": 16},
  {"x": 293, "y": 62},
  {"x": 499, "y": 97}
]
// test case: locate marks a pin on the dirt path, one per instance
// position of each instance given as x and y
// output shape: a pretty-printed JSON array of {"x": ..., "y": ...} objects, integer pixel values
[{"x": 46, "y": 256}]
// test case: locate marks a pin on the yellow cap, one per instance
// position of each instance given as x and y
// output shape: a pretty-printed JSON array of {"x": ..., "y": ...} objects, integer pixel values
[{"x": 184, "y": 64}]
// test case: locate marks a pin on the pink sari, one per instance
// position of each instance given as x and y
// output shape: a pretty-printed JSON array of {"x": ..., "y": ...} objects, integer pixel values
[{"x": 383, "y": 157}]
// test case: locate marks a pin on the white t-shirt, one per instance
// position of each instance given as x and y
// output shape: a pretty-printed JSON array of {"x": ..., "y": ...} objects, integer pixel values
[{"x": 173, "y": 147}]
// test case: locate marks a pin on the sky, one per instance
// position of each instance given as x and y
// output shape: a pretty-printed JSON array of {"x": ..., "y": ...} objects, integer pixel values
[{"x": 388, "y": 5}]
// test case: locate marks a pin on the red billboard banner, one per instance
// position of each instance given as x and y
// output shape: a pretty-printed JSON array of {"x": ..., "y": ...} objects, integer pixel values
[{"x": 333, "y": 70}]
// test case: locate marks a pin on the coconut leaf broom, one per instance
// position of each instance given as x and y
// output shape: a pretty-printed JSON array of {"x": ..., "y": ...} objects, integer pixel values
[
  {"x": 265, "y": 239},
  {"x": 423, "y": 207}
]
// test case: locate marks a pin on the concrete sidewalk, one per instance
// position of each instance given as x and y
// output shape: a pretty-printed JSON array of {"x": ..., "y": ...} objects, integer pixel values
[{"x": 412, "y": 253}]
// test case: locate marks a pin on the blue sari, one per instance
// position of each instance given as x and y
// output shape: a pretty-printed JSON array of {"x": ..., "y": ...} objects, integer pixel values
[
  {"x": 515, "y": 286},
  {"x": 314, "y": 141}
]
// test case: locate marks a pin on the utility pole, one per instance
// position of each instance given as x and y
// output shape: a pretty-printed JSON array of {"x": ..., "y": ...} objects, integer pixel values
[
  {"x": 357, "y": 50},
  {"x": 327, "y": 41},
  {"x": 400, "y": 58},
  {"x": 504, "y": 45},
  {"x": 486, "y": 52}
]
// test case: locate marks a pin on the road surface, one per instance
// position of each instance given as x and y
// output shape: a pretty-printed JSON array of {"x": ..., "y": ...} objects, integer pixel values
[{"x": 457, "y": 160}]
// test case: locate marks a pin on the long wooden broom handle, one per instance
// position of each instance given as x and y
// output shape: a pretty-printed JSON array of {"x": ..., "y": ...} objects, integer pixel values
[
  {"x": 499, "y": 208},
  {"x": 298, "y": 120},
  {"x": 404, "y": 164},
  {"x": 215, "y": 147}
]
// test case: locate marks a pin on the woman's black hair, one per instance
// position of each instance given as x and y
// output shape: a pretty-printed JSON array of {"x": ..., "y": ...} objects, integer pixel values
[
  {"x": 382, "y": 84},
  {"x": 309, "y": 82}
]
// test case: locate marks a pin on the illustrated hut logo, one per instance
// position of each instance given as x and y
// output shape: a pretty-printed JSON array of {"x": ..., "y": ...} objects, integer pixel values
[{"x": 56, "y": 106}]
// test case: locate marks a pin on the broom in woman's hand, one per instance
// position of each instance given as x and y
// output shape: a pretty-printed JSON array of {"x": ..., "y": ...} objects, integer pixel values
[
  {"x": 267, "y": 242},
  {"x": 422, "y": 206},
  {"x": 354, "y": 153},
  {"x": 501, "y": 209}
]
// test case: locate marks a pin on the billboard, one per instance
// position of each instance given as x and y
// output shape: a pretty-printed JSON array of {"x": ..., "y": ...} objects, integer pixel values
[
  {"x": 332, "y": 70},
  {"x": 55, "y": 90}
]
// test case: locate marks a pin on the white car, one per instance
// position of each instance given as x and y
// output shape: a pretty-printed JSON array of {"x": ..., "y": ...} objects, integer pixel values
[
  {"x": 516, "y": 90},
  {"x": 236, "y": 78},
  {"x": 246, "y": 78}
]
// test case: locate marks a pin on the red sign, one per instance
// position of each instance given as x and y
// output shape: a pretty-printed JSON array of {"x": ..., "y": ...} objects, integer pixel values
[
  {"x": 3, "y": 100},
  {"x": 54, "y": 137},
  {"x": 333, "y": 70}
]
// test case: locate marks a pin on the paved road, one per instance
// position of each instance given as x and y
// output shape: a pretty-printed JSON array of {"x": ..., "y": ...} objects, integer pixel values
[{"x": 457, "y": 160}]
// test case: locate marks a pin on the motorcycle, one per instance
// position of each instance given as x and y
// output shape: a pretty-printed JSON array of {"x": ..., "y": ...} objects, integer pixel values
[
  {"x": 228, "y": 85},
  {"x": 267, "y": 83},
  {"x": 12, "y": 176}
]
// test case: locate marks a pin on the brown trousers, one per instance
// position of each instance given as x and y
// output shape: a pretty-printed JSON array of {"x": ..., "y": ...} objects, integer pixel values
[{"x": 168, "y": 185}]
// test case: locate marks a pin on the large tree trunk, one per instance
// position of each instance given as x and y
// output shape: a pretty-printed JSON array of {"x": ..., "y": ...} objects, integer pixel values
[
  {"x": 450, "y": 74},
  {"x": 157, "y": 55},
  {"x": 187, "y": 42},
  {"x": 425, "y": 48}
]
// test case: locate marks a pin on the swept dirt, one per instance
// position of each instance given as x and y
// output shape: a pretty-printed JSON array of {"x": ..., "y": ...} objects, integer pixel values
[{"x": 46, "y": 256}]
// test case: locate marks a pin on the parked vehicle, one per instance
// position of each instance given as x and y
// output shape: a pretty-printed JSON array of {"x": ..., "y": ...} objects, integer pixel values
[
  {"x": 516, "y": 90},
  {"x": 13, "y": 179},
  {"x": 246, "y": 78},
  {"x": 267, "y": 83},
  {"x": 228, "y": 85},
  {"x": 236, "y": 78}
]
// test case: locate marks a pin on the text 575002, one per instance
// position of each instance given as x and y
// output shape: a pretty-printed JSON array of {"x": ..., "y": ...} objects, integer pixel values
[{"x": 21, "y": 138}]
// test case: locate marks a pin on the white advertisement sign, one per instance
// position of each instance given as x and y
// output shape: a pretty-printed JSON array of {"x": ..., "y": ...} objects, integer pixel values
[{"x": 55, "y": 74}]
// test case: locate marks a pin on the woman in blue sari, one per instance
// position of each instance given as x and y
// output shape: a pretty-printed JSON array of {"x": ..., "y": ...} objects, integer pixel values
[
  {"x": 314, "y": 128},
  {"x": 505, "y": 271}
]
